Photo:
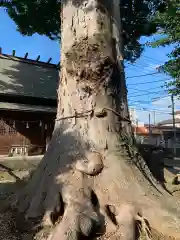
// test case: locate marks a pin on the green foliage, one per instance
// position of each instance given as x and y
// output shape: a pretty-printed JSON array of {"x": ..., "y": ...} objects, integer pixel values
[
  {"x": 168, "y": 23},
  {"x": 136, "y": 22},
  {"x": 43, "y": 17},
  {"x": 35, "y": 16}
]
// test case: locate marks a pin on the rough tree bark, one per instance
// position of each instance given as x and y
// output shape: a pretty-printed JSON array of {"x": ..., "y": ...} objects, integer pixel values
[{"x": 91, "y": 181}]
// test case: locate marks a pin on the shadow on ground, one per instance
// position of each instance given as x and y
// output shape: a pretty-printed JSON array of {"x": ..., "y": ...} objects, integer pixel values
[
  {"x": 9, "y": 187},
  {"x": 8, "y": 226}
]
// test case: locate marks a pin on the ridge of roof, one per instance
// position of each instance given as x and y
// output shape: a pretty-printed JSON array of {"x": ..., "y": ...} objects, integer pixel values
[{"x": 29, "y": 61}]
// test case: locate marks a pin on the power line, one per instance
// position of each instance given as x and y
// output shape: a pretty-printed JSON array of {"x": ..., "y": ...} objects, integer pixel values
[
  {"x": 151, "y": 64},
  {"x": 149, "y": 109},
  {"x": 145, "y": 106},
  {"x": 148, "y": 74},
  {"x": 135, "y": 66},
  {"x": 144, "y": 90},
  {"x": 154, "y": 99},
  {"x": 138, "y": 65},
  {"x": 140, "y": 101},
  {"x": 147, "y": 94},
  {"x": 149, "y": 101},
  {"x": 152, "y": 59},
  {"x": 162, "y": 80},
  {"x": 145, "y": 66}
]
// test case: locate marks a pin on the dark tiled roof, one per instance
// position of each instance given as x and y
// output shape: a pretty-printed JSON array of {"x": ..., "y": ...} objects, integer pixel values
[{"x": 19, "y": 76}]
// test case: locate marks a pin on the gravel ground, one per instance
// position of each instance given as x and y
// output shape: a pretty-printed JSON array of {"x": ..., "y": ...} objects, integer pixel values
[
  {"x": 8, "y": 229},
  {"x": 8, "y": 186}
]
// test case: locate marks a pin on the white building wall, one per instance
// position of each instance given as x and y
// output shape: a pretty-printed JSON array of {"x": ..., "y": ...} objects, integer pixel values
[
  {"x": 177, "y": 116},
  {"x": 133, "y": 115}
]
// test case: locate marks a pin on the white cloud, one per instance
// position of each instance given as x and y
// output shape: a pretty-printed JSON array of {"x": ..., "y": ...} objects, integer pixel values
[
  {"x": 155, "y": 116},
  {"x": 161, "y": 110},
  {"x": 165, "y": 102}
]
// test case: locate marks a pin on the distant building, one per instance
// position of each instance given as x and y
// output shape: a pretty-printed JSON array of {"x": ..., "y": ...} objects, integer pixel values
[
  {"x": 27, "y": 104},
  {"x": 133, "y": 115},
  {"x": 166, "y": 127},
  {"x": 169, "y": 123},
  {"x": 177, "y": 114},
  {"x": 160, "y": 134}
]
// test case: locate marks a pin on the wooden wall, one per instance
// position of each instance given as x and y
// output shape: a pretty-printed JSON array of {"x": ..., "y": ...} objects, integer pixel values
[
  {"x": 8, "y": 137},
  {"x": 23, "y": 133}
]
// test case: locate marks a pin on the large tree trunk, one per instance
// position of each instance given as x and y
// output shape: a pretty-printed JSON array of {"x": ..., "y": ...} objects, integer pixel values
[{"x": 91, "y": 178}]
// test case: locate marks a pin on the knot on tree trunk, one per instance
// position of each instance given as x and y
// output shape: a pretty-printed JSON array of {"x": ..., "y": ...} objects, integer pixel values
[
  {"x": 92, "y": 165},
  {"x": 88, "y": 62}
]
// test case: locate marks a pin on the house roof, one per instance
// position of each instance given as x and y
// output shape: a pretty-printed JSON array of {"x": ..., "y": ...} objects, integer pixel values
[
  {"x": 168, "y": 121},
  {"x": 25, "y": 77},
  {"x": 142, "y": 130},
  {"x": 177, "y": 112},
  {"x": 145, "y": 130}
]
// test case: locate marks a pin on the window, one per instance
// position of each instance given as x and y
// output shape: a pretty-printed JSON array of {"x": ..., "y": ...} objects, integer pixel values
[
  {"x": 12, "y": 131},
  {"x": 2, "y": 130}
]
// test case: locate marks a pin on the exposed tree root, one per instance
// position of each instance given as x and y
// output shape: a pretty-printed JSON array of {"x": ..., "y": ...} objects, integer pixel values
[
  {"x": 144, "y": 227},
  {"x": 10, "y": 172},
  {"x": 176, "y": 181},
  {"x": 81, "y": 216},
  {"x": 108, "y": 205},
  {"x": 130, "y": 224}
]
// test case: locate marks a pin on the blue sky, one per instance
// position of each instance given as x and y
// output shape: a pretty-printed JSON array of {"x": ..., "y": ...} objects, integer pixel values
[
  {"x": 144, "y": 92},
  {"x": 36, "y": 45}
]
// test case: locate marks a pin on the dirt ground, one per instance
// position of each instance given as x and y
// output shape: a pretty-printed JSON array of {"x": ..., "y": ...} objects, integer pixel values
[{"x": 9, "y": 224}]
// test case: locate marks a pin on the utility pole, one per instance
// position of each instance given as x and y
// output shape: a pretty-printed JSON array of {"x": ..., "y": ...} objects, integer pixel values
[
  {"x": 154, "y": 113},
  {"x": 174, "y": 125},
  {"x": 149, "y": 124},
  {"x": 149, "y": 129},
  {"x": 136, "y": 127}
]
